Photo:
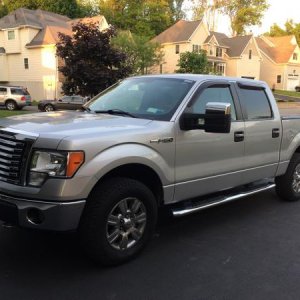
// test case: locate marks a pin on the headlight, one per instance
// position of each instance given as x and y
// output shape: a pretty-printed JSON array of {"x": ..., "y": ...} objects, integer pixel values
[{"x": 46, "y": 164}]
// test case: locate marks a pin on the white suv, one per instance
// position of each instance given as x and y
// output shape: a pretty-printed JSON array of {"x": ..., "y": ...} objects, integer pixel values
[{"x": 14, "y": 97}]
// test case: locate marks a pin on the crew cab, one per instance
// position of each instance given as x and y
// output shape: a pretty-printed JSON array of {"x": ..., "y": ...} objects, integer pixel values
[{"x": 186, "y": 142}]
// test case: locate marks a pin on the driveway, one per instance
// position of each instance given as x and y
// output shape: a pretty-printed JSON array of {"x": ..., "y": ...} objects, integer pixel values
[{"x": 243, "y": 250}]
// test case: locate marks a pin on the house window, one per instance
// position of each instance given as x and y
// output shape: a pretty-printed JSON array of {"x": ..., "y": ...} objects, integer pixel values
[
  {"x": 11, "y": 34},
  {"x": 211, "y": 51},
  {"x": 196, "y": 48},
  {"x": 219, "y": 52},
  {"x": 220, "y": 68},
  {"x": 250, "y": 54},
  {"x": 26, "y": 63},
  {"x": 295, "y": 56},
  {"x": 278, "y": 78},
  {"x": 177, "y": 49}
]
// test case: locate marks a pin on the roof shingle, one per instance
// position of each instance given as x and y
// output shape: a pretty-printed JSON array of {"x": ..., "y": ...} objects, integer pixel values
[
  {"x": 179, "y": 32},
  {"x": 279, "y": 49}
]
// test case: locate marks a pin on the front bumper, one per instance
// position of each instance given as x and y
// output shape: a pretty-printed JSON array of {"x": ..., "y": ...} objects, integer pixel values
[{"x": 57, "y": 216}]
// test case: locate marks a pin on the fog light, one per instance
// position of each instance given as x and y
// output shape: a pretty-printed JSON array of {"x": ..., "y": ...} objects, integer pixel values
[{"x": 35, "y": 216}]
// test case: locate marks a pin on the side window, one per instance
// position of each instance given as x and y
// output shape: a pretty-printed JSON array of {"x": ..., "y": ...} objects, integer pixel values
[
  {"x": 256, "y": 103},
  {"x": 214, "y": 94},
  {"x": 77, "y": 100},
  {"x": 3, "y": 91}
]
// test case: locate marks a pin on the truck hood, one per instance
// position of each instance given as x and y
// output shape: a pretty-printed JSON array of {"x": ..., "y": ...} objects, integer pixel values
[{"x": 71, "y": 123}]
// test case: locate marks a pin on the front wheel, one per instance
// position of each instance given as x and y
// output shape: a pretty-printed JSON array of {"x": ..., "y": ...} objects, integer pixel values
[
  {"x": 288, "y": 185},
  {"x": 118, "y": 220}
]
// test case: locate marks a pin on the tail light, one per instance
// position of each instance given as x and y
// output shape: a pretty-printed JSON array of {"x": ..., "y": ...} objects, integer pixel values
[{"x": 23, "y": 98}]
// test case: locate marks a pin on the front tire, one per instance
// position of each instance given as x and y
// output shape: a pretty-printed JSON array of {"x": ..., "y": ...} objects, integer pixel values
[
  {"x": 288, "y": 185},
  {"x": 118, "y": 220}
]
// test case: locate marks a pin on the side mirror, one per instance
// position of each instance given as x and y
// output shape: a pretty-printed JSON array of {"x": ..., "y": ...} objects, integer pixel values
[{"x": 217, "y": 119}]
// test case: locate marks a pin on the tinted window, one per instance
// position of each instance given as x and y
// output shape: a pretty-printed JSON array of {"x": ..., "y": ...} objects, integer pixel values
[
  {"x": 256, "y": 104},
  {"x": 214, "y": 94},
  {"x": 3, "y": 91},
  {"x": 66, "y": 99},
  {"x": 15, "y": 91},
  {"x": 77, "y": 100}
]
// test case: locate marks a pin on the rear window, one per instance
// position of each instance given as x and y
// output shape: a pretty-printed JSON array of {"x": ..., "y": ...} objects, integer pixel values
[
  {"x": 256, "y": 104},
  {"x": 16, "y": 91}
]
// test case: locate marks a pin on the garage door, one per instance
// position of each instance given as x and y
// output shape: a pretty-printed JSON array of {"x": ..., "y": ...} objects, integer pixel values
[{"x": 292, "y": 83}]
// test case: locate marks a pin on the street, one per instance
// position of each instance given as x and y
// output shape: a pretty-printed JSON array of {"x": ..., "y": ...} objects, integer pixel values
[{"x": 247, "y": 249}]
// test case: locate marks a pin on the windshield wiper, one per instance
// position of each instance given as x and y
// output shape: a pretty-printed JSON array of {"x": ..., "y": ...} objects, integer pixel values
[{"x": 115, "y": 112}]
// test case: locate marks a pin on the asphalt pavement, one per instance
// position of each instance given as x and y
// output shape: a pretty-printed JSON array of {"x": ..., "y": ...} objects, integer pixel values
[{"x": 248, "y": 249}]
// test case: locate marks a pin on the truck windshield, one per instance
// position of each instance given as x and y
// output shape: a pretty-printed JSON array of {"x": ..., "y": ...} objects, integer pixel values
[{"x": 149, "y": 97}]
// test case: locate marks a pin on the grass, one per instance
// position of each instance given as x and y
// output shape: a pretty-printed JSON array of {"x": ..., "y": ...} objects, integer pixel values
[
  {"x": 6, "y": 113},
  {"x": 288, "y": 93}
]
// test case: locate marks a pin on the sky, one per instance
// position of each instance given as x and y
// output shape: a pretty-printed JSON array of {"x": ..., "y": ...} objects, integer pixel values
[{"x": 278, "y": 12}]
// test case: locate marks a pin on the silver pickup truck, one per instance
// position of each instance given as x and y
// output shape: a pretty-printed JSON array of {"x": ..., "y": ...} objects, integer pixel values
[{"x": 187, "y": 142}]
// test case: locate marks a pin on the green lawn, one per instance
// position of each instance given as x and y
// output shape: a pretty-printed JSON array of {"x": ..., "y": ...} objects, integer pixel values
[
  {"x": 288, "y": 93},
  {"x": 6, "y": 113}
]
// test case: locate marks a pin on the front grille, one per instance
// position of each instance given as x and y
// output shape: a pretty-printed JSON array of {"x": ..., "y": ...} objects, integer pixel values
[{"x": 11, "y": 157}]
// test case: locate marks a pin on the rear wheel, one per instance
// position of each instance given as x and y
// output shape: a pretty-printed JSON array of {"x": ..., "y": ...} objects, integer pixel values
[
  {"x": 11, "y": 105},
  {"x": 288, "y": 185},
  {"x": 49, "y": 107},
  {"x": 119, "y": 219}
]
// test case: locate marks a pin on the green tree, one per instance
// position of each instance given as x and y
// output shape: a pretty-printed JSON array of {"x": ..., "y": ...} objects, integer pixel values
[
  {"x": 141, "y": 53},
  {"x": 91, "y": 64},
  {"x": 243, "y": 13},
  {"x": 177, "y": 12},
  {"x": 193, "y": 62},
  {"x": 70, "y": 8},
  {"x": 291, "y": 28},
  {"x": 142, "y": 17}
]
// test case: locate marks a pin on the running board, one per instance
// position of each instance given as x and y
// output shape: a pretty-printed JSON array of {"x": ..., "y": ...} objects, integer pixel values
[{"x": 182, "y": 211}]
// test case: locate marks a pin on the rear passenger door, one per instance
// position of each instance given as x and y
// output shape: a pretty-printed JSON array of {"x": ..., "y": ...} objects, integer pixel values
[{"x": 262, "y": 133}]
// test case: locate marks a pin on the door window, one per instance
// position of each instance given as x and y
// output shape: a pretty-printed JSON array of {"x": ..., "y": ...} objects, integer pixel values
[
  {"x": 256, "y": 104},
  {"x": 214, "y": 94}
]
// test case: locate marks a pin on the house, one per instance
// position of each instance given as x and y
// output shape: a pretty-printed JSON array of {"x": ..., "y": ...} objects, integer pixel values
[
  {"x": 28, "y": 51},
  {"x": 230, "y": 56},
  {"x": 280, "y": 66}
]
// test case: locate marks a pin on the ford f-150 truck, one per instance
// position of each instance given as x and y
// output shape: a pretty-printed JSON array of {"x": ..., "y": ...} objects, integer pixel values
[{"x": 188, "y": 142}]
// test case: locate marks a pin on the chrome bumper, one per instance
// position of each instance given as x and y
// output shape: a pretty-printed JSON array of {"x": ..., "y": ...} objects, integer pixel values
[{"x": 57, "y": 216}]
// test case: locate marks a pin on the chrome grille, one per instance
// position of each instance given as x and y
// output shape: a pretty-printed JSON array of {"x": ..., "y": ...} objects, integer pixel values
[{"x": 11, "y": 157}]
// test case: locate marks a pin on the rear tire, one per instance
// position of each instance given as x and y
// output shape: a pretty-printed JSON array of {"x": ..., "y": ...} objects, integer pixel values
[
  {"x": 48, "y": 107},
  {"x": 118, "y": 220},
  {"x": 11, "y": 105},
  {"x": 288, "y": 185}
]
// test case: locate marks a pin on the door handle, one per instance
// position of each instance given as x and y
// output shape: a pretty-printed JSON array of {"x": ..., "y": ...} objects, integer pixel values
[
  {"x": 239, "y": 136},
  {"x": 275, "y": 133}
]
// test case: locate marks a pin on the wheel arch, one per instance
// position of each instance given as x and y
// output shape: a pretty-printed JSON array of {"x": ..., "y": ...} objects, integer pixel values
[{"x": 139, "y": 172}]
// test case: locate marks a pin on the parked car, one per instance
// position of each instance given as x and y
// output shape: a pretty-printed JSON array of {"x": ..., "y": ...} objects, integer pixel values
[
  {"x": 14, "y": 97},
  {"x": 66, "y": 102},
  {"x": 297, "y": 88},
  {"x": 188, "y": 142}
]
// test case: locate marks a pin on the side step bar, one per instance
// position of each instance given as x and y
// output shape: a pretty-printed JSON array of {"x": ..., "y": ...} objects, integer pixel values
[{"x": 182, "y": 211}]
